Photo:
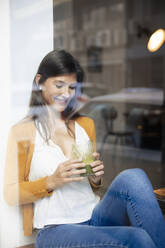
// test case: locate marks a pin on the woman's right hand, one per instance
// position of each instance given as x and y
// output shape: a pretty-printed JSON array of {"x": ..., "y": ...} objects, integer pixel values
[{"x": 64, "y": 173}]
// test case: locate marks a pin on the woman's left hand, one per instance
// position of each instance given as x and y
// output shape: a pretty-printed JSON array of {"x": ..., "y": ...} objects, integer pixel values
[{"x": 98, "y": 169}]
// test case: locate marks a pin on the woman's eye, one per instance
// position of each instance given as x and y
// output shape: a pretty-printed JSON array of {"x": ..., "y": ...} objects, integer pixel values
[
  {"x": 72, "y": 87},
  {"x": 59, "y": 86}
]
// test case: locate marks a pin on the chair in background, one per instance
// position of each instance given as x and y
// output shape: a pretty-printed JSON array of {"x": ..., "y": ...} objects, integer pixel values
[{"x": 109, "y": 114}]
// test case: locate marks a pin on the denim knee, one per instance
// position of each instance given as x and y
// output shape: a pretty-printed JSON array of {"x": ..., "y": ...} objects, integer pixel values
[
  {"x": 140, "y": 238},
  {"x": 133, "y": 173},
  {"x": 131, "y": 180}
]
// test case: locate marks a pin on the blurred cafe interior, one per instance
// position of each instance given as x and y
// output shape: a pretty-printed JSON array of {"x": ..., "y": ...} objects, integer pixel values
[{"x": 120, "y": 44}]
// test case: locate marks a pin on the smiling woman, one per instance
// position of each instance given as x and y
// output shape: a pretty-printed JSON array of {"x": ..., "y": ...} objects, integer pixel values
[{"x": 52, "y": 126}]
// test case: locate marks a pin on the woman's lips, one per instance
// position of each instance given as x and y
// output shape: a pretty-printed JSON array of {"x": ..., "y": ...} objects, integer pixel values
[{"x": 62, "y": 101}]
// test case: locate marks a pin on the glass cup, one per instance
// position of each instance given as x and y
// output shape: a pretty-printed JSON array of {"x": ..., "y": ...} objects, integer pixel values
[{"x": 84, "y": 151}]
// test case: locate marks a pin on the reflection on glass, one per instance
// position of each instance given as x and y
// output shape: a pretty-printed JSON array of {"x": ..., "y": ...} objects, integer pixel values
[{"x": 122, "y": 77}]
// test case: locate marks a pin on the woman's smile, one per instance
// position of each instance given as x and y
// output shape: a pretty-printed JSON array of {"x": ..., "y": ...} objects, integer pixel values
[{"x": 62, "y": 101}]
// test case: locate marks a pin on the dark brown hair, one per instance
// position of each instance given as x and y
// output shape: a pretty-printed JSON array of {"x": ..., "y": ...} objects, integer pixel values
[{"x": 55, "y": 63}]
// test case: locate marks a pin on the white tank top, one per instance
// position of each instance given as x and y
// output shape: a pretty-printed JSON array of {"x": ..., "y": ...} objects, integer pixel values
[{"x": 71, "y": 203}]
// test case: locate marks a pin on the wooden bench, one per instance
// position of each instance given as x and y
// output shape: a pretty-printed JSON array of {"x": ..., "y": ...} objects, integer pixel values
[{"x": 160, "y": 195}]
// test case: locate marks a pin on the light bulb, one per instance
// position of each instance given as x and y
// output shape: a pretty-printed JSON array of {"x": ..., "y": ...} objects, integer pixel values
[{"x": 156, "y": 40}]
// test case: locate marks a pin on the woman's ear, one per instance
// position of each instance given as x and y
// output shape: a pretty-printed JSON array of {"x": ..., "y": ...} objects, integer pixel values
[{"x": 37, "y": 78}]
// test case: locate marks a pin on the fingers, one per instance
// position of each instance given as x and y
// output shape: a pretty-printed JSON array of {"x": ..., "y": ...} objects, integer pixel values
[
  {"x": 73, "y": 179},
  {"x": 99, "y": 173},
  {"x": 66, "y": 172},
  {"x": 70, "y": 164},
  {"x": 97, "y": 163},
  {"x": 74, "y": 166},
  {"x": 70, "y": 168},
  {"x": 96, "y": 155},
  {"x": 71, "y": 161},
  {"x": 70, "y": 173},
  {"x": 98, "y": 167}
]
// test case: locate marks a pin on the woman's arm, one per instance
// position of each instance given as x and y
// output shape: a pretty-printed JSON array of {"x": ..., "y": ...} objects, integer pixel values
[{"x": 17, "y": 189}]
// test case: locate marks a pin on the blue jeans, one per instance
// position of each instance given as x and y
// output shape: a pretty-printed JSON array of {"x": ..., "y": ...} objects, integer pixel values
[{"x": 127, "y": 216}]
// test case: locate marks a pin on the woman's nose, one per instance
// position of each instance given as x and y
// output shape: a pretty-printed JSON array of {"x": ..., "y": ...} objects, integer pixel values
[{"x": 66, "y": 91}]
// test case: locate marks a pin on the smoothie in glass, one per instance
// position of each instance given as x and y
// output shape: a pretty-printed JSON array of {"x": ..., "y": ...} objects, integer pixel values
[{"x": 84, "y": 151}]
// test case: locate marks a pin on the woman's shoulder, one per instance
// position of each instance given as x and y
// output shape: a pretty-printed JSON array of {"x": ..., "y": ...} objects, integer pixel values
[
  {"x": 25, "y": 128},
  {"x": 84, "y": 119},
  {"x": 26, "y": 122},
  {"x": 86, "y": 122}
]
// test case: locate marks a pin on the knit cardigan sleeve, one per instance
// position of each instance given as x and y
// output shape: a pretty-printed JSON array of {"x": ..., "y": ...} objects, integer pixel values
[{"x": 17, "y": 189}]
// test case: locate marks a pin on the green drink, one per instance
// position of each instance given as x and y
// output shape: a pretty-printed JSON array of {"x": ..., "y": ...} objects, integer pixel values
[
  {"x": 87, "y": 159},
  {"x": 84, "y": 151}
]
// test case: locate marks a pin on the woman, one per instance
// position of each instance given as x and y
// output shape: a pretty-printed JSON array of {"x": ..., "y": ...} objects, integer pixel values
[{"x": 43, "y": 178}]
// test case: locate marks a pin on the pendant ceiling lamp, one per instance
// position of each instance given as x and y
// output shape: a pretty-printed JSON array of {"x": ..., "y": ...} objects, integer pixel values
[{"x": 155, "y": 40}]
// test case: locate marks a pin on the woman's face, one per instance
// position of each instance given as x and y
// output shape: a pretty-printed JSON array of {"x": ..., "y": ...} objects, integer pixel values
[{"x": 58, "y": 91}]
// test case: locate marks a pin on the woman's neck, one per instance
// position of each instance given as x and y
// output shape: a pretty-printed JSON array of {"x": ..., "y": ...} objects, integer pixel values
[
  {"x": 57, "y": 124},
  {"x": 55, "y": 119}
]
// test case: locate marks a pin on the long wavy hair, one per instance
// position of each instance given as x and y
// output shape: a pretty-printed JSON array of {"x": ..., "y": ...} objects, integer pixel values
[{"x": 55, "y": 63}]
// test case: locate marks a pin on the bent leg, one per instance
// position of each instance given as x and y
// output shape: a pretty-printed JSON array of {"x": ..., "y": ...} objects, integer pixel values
[
  {"x": 77, "y": 235},
  {"x": 130, "y": 199}
]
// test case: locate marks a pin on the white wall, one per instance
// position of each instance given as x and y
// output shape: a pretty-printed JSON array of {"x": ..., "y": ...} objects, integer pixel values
[
  {"x": 26, "y": 36},
  {"x": 31, "y": 39}
]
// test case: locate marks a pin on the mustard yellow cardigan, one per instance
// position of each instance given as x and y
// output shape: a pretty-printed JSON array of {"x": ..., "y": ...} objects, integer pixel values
[{"x": 18, "y": 190}]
